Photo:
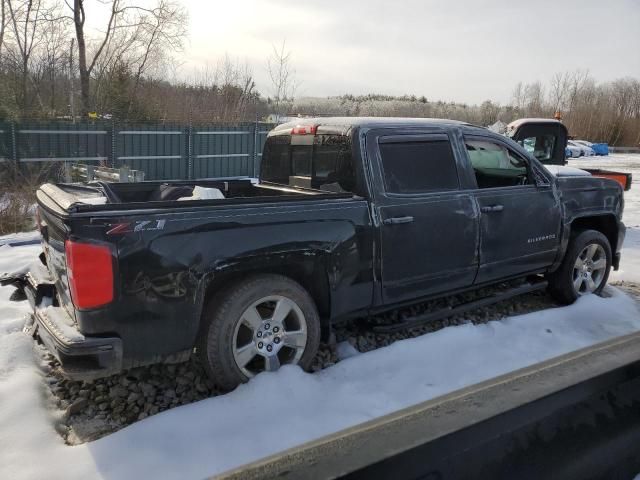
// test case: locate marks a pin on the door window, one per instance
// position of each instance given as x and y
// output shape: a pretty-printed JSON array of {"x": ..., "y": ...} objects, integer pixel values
[
  {"x": 495, "y": 165},
  {"x": 418, "y": 166}
]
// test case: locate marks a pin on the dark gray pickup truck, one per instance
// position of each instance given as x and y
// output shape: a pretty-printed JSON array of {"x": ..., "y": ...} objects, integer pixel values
[{"x": 350, "y": 217}]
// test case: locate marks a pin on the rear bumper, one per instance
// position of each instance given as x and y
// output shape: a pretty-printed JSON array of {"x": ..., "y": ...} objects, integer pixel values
[{"x": 81, "y": 357}]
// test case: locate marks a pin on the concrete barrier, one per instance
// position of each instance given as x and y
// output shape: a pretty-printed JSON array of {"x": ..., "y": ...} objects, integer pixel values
[
  {"x": 518, "y": 425},
  {"x": 624, "y": 149}
]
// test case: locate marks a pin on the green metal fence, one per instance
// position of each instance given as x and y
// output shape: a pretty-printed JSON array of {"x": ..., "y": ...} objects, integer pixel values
[{"x": 161, "y": 151}]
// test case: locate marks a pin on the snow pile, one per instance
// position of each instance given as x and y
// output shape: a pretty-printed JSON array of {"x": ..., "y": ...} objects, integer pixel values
[
  {"x": 23, "y": 238},
  {"x": 278, "y": 410}
]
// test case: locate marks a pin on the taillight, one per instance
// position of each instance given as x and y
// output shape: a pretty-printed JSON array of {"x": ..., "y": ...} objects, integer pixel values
[
  {"x": 304, "y": 130},
  {"x": 90, "y": 272}
]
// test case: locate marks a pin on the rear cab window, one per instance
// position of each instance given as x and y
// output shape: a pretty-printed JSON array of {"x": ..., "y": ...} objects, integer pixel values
[
  {"x": 418, "y": 164},
  {"x": 320, "y": 161}
]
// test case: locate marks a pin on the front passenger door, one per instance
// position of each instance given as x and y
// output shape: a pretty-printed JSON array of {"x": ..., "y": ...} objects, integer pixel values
[{"x": 519, "y": 220}]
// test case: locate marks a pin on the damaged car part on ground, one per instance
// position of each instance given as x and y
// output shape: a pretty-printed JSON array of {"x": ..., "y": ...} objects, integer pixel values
[{"x": 351, "y": 217}]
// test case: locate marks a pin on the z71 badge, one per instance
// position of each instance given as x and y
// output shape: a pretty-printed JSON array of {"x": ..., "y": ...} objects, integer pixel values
[{"x": 137, "y": 226}]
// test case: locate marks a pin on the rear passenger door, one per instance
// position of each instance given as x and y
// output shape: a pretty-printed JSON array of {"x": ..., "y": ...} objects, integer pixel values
[{"x": 428, "y": 228}]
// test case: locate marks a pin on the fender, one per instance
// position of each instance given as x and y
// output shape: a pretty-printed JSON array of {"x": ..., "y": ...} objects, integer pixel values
[{"x": 596, "y": 220}]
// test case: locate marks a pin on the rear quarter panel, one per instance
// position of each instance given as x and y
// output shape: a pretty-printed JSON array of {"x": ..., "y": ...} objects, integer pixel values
[{"x": 165, "y": 266}]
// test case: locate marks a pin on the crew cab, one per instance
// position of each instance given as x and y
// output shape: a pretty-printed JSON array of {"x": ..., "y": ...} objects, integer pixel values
[{"x": 350, "y": 217}]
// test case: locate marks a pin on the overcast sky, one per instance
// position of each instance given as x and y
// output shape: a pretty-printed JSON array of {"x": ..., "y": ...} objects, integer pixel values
[{"x": 461, "y": 50}]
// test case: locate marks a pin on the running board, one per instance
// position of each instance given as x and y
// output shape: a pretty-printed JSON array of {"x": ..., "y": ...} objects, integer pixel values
[{"x": 419, "y": 320}]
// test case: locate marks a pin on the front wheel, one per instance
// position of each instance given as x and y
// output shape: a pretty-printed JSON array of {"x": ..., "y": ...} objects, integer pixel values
[
  {"x": 256, "y": 326},
  {"x": 584, "y": 269}
]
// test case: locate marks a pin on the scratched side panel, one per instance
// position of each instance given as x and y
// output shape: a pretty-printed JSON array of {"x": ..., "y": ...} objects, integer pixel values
[
  {"x": 583, "y": 196},
  {"x": 163, "y": 272}
]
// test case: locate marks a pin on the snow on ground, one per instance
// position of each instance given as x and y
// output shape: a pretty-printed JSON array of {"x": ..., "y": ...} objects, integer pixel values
[
  {"x": 278, "y": 410},
  {"x": 20, "y": 238}
]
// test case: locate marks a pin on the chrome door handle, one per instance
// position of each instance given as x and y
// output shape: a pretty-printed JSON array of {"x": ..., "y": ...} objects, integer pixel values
[{"x": 397, "y": 220}]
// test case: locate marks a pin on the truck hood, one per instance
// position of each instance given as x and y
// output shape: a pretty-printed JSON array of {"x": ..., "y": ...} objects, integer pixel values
[{"x": 564, "y": 171}]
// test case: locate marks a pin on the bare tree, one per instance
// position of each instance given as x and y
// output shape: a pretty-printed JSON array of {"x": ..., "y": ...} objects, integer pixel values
[
  {"x": 534, "y": 95},
  {"x": 158, "y": 22},
  {"x": 558, "y": 90},
  {"x": 3, "y": 23},
  {"x": 282, "y": 77},
  {"x": 163, "y": 29},
  {"x": 518, "y": 96},
  {"x": 575, "y": 83},
  {"x": 26, "y": 18},
  {"x": 50, "y": 61}
]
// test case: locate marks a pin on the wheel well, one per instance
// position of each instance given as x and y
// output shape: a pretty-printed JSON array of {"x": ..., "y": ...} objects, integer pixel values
[
  {"x": 313, "y": 280},
  {"x": 606, "y": 224}
]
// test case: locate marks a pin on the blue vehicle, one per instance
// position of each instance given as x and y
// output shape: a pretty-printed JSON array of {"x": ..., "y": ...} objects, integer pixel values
[{"x": 598, "y": 148}]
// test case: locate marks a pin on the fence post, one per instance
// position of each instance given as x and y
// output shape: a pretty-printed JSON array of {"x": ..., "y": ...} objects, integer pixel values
[
  {"x": 255, "y": 148},
  {"x": 67, "y": 172},
  {"x": 14, "y": 151},
  {"x": 190, "y": 149},
  {"x": 114, "y": 151}
]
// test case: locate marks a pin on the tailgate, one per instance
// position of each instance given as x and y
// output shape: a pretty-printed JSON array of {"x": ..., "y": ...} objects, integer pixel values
[
  {"x": 55, "y": 202},
  {"x": 54, "y": 233}
]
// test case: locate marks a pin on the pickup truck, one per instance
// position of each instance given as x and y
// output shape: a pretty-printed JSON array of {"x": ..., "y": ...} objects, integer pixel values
[
  {"x": 547, "y": 139},
  {"x": 350, "y": 217}
]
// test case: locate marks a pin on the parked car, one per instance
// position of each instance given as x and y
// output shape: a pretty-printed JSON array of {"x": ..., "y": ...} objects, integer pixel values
[
  {"x": 584, "y": 150},
  {"x": 589, "y": 145},
  {"x": 582, "y": 142},
  {"x": 572, "y": 151},
  {"x": 601, "y": 148},
  {"x": 350, "y": 217},
  {"x": 598, "y": 148}
]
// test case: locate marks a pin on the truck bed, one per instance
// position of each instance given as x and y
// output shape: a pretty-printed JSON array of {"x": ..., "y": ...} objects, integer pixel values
[{"x": 102, "y": 196}]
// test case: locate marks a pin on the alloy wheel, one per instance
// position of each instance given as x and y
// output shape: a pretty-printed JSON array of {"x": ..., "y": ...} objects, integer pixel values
[
  {"x": 589, "y": 269},
  {"x": 271, "y": 332}
]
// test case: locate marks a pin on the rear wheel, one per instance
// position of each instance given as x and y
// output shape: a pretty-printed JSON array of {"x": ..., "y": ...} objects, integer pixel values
[
  {"x": 256, "y": 326},
  {"x": 584, "y": 269}
]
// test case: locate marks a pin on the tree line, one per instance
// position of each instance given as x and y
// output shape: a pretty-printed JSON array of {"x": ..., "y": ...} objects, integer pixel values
[
  {"x": 120, "y": 59},
  {"x": 600, "y": 112},
  {"x": 112, "y": 58}
]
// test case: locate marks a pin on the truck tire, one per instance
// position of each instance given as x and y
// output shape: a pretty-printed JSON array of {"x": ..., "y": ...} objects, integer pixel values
[
  {"x": 258, "y": 325},
  {"x": 584, "y": 269}
]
